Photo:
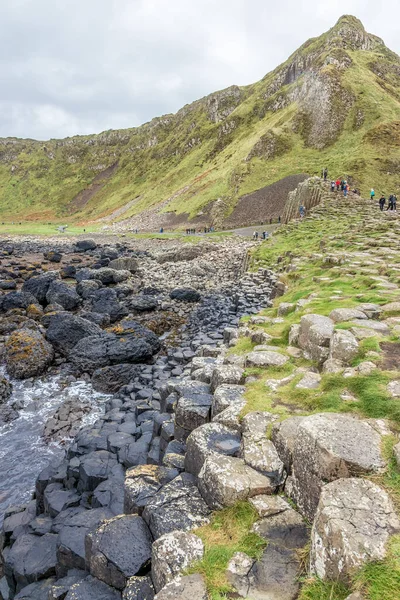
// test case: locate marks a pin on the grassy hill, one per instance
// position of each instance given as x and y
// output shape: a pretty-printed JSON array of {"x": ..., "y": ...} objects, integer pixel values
[{"x": 335, "y": 102}]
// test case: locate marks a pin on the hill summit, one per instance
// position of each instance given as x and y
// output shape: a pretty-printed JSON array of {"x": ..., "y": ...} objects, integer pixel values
[{"x": 335, "y": 102}]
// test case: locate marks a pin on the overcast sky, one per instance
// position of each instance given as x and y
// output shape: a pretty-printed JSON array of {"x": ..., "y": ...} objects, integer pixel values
[{"x": 84, "y": 66}]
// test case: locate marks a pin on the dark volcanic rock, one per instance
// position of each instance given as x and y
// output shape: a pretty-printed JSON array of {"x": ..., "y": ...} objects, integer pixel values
[
  {"x": 68, "y": 271},
  {"x": 110, "y": 379},
  {"x": 92, "y": 589},
  {"x": 65, "y": 331},
  {"x": 105, "y": 301},
  {"x": 31, "y": 558},
  {"x": 36, "y": 591},
  {"x": 139, "y": 588},
  {"x": 176, "y": 506},
  {"x": 85, "y": 245},
  {"x": 62, "y": 294},
  {"x": 17, "y": 300},
  {"x": 143, "y": 303},
  {"x": 185, "y": 295},
  {"x": 71, "y": 538},
  {"x": 38, "y": 286},
  {"x": 53, "y": 256},
  {"x": 27, "y": 353},
  {"x": 132, "y": 343},
  {"x": 106, "y": 549}
]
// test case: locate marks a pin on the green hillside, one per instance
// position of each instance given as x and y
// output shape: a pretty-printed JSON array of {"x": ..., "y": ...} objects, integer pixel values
[{"x": 335, "y": 102}]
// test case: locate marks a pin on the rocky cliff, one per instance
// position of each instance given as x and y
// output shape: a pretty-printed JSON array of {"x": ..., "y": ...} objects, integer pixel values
[{"x": 335, "y": 102}]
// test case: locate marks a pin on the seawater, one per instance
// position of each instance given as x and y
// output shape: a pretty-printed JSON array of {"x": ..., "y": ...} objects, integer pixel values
[{"x": 23, "y": 452}]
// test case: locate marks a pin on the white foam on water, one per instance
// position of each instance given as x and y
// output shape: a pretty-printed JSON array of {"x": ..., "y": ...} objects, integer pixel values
[{"x": 23, "y": 452}]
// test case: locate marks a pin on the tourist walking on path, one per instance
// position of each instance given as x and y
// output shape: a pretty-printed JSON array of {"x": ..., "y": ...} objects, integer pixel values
[
  {"x": 382, "y": 202},
  {"x": 394, "y": 202},
  {"x": 332, "y": 186},
  {"x": 325, "y": 172},
  {"x": 390, "y": 202},
  {"x": 337, "y": 185},
  {"x": 372, "y": 194},
  {"x": 345, "y": 189}
]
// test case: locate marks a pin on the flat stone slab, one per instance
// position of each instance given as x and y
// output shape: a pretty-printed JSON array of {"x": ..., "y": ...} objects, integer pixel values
[
  {"x": 352, "y": 525},
  {"x": 190, "y": 587},
  {"x": 178, "y": 505},
  {"x": 224, "y": 480},
  {"x": 322, "y": 448},
  {"x": 340, "y": 315},
  {"x": 211, "y": 438},
  {"x": 265, "y": 359},
  {"x": 118, "y": 549},
  {"x": 172, "y": 553}
]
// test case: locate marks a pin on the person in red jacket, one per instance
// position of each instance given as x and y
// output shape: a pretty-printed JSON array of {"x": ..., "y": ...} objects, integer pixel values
[{"x": 337, "y": 185}]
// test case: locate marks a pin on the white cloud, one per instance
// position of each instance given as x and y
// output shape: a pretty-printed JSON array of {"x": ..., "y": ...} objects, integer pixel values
[{"x": 76, "y": 66}]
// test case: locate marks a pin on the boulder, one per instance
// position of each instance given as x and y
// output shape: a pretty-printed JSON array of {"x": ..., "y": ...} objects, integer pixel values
[
  {"x": 325, "y": 447},
  {"x": 36, "y": 591},
  {"x": 94, "y": 468},
  {"x": 105, "y": 301},
  {"x": 314, "y": 336},
  {"x": 75, "y": 524},
  {"x": 142, "y": 303},
  {"x": 190, "y": 587},
  {"x": 284, "y": 436},
  {"x": 209, "y": 439},
  {"x": 226, "y": 374},
  {"x": 142, "y": 483},
  {"x": 224, "y": 480},
  {"x": 68, "y": 272},
  {"x": 17, "y": 300},
  {"x": 176, "y": 506},
  {"x": 257, "y": 451},
  {"x": 128, "y": 346},
  {"x": 86, "y": 288},
  {"x": 185, "y": 295},
  {"x": 172, "y": 553},
  {"x": 266, "y": 359},
  {"x": 108, "y": 276},
  {"x": 343, "y": 346},
  {"x": 110, "y": 379},
  {"x": 92, "y": 589},
  {"x": 139, "y": 588},
  {"x": 340, "y": 315},
  {"x": 64, "y": 331},
  {"x": 31, "y": 558},
  {"x": 62, "y": 294},
  {"x": 125, "y": 263},
  {"x": 27, "y": 354},
  {"x": 61, "y": 587},
  {"x": 119, "y": 549},
  {"x": 191, "y": 413},
  {"x": 85, "y": 245},
  {"x": 352, "y": 526},
  {"x": 57, "y": 498},
  {"x": 38, "y": 286},
  {"x": 52, "y": 256}
]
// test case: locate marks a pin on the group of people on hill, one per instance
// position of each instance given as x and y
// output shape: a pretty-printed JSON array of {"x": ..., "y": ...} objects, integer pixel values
[
  {"x": 392, "y": 201},
  {"x": 338, "y": 185}
]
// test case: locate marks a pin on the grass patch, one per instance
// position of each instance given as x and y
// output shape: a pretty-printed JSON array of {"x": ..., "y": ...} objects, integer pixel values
[
  {"x": 228, "y": 532},
  {"x": 381, "y": 580},
  {"x": 315, "y": 589}
]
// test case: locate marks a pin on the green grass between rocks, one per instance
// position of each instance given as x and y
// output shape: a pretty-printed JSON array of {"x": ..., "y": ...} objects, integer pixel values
[{"x": 228, "y": 532}]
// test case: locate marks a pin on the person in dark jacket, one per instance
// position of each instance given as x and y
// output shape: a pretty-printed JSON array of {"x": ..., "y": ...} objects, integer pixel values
[{"x": 382, "y": 202}]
